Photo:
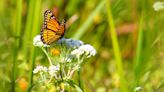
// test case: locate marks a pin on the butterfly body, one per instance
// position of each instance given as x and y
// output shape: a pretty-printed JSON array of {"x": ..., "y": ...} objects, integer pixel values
[{"x": 52, "y": 30}]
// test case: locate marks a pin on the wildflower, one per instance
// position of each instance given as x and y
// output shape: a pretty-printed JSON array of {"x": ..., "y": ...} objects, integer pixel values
[
  {"x": 77, "y": 53},
  {"x": 55, "y": 52},
  {"x": 37, "y": 42},
  {"x": 87, "y": 50},
  {"x": 69, "y": 55},
  {"x": 158, "y": 6},
  {"x": 40, "y": 69},
  {"x": 137, "y": 89},
  {"x": 70, "y": 42},
  {"x": 53, "y": 69},
  {"x": 23, "y": 84}
]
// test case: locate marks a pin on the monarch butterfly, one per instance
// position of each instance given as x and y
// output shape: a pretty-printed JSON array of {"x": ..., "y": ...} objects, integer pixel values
[{"x": 52, "y": 30}]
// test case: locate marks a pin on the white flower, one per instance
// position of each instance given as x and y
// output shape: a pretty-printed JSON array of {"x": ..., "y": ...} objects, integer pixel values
[
  {"x": 37, "y": 42},
  {"x": 87, "y": 49},
  {"x": 77, "y": 53},
  {"x": 137, "y": 89},
  {"x": 40, "y": 69},
  {"x": 53, "y": 69},
  {"x": 158, "y": 6}
]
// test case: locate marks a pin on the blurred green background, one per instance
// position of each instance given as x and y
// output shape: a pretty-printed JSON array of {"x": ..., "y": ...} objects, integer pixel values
[{"x": 133, "y": 57}]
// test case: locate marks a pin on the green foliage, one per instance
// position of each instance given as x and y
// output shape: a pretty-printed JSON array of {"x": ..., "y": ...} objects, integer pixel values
[
  {"x": 116, "y": 48},
  {"x": 127, "y": 34}
]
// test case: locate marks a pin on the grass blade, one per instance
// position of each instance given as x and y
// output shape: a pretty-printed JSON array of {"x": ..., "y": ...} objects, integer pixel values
[
  {"x": 17, "y": 42},
  {"x": 117, "y": 54},
  {"x": 137, "y": 60},
  {"x": 28, "y": 27},
  {"x": 88, "y": 21},
  {"x": 35, "y": 30}
]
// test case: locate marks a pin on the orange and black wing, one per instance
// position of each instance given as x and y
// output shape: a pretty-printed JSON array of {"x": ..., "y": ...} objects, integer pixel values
[
  {"x": 49, "y": 36},
  {"x": 52, "y": 30}
]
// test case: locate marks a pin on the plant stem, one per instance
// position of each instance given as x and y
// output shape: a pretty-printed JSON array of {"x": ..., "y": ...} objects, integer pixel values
[
  {"x": 79, "y": 73},
  {"x": 49, "y": 59},
  {"x": 28, "y": 28},
  {"x": 17, "y": 42},
  {"x": 75, "y": 68},
  {"x": 35, "y": 29},
  {"x": 32, "y": 66},
  {"x": 117, "y": 54},
  {"x": 79, "y": 78}
]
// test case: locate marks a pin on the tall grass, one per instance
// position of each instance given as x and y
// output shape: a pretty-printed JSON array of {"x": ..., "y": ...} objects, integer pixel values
[
  {"x": 115, "y": 43},
  {"x": 82, "y": 30},
  {"x": 139, "y": 48},
  {"x": 16, "y": 33},
  {"x": 17, "y": 42},
  {"x": 88, "y": 21},
  {"x": 144, "y": 48},
  {"x": 28, "y": 28},
  {"x": 35, "y": 31}
]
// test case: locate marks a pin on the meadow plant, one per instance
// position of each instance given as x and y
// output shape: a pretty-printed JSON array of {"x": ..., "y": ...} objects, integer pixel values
[
  {"x": 62, "y": 65},
  {"x": 138, "y": 89},
  {"x": 158, "y": 6}
]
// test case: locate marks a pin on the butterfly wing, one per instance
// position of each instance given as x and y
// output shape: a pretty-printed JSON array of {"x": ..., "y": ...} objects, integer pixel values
[
  {"x": 53, "y": 25},
  {"x": 49, "y": 36},
  {"x": 52, "y": 29},
  {"x": 62, "y": 28}
]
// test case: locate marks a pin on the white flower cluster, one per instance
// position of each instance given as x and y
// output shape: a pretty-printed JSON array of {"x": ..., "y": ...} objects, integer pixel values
[
  {"x": 37, "y": 42},
  {"x": 75, "y": 50},
  {"x": 51, "y": 70},
  {"x": 86, "y": 50},
  {"x": 40, "y": 69},
  {"x": 158, "y": 6}
]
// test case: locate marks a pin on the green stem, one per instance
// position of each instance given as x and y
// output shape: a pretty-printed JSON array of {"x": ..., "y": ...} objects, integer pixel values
[
  {"x": 28, "y": 27},
  {"x": 79, "y": 73},
  {"x": 14, "y": 72},
  {"x": 49, "y": 59},
  {"x": 61, "y": 66},
  {"x": 35, "y": 29},
  {"x": 70, "y": 74},
  {"x": 17, "y": 42},
  {"x": 32, "y": 68},
  {"x": 117, "y": 54},
  {"x": 79, "y": 78}
]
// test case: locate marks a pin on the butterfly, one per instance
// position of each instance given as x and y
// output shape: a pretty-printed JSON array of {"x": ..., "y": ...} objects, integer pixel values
[{"x": 52, "y": 30}]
